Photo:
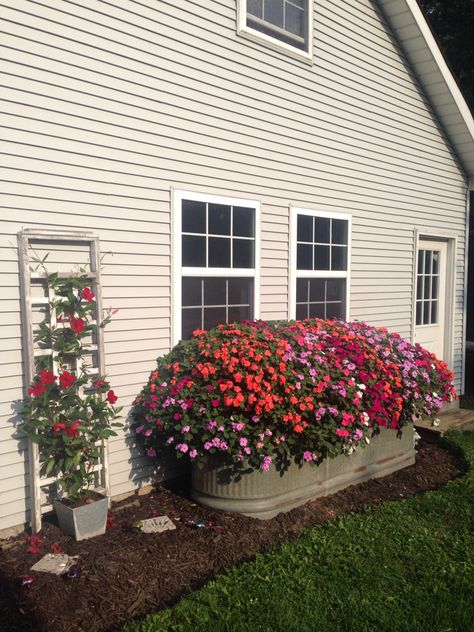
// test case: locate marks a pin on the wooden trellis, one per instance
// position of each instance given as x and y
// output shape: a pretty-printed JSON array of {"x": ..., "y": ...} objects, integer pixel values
[{"x": 32, "y": 285}]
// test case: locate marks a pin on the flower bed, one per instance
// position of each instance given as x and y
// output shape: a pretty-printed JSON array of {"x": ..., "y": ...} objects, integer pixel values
[{"x": 273, "y": 393}]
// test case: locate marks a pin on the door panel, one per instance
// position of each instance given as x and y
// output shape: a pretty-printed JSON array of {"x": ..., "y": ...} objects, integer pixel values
[{"x": 430, "y": 303}]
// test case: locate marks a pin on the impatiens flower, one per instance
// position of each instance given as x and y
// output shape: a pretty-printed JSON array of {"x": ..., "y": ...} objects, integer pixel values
[
  {"x": 193, "y": 454},
  {"x": 66, "y": 379},
  {"x": 182, "y": 447},
  {"x": 186, "y": 429},
  {"x": 215, "y": 403},
  {"x": 47, "y": 377},
  {"x": 87, "y": 294},
  {"x": 267, "y": 461},
  {"x": 307, "y": 456},
  {"x": 100, "y": 383},
  {"x": 59, "y": 427},
  {"x": 341, "y": 432},
  {"x": 111, "y": 397},
  {"x": 77, "y": 325},
  {"x": 36, "y": 389},
  {"x": 34, "y": 544},
  {"x": 151, "y": 452}
]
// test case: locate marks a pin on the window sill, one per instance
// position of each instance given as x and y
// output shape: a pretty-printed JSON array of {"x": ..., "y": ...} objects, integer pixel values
[{"x": 273, "y": 43}]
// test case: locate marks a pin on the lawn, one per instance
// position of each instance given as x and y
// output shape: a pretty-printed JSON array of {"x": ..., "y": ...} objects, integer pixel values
[{"x": 400, "y": 566}]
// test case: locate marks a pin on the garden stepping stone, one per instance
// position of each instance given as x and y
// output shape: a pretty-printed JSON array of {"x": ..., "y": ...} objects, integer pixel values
[
  {"x": 55, "y": 563},
  {"x": 157, "y": 524}
]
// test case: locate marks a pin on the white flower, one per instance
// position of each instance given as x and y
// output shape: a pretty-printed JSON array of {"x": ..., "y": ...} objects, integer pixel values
[
  {"x": 362, "y": 387},
  {"x": 435, "y": 422},
  {"x": 367, "y": 440}
]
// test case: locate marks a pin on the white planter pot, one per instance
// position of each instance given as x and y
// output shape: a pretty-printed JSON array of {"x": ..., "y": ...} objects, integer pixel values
[
  {"x": 266, "y": 494},
  {"x": 86, "y": 521}
]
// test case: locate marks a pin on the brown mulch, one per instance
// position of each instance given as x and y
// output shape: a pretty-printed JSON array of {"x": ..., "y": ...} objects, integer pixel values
[{"x": 126, "y": 573}]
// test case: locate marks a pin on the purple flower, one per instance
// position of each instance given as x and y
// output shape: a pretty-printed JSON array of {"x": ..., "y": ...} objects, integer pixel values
[
  {"x": 151, "y": 452},
  {"x": 139, "y": 429}
]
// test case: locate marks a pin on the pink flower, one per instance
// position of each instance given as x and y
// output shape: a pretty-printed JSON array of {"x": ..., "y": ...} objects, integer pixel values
[
  {"x": 243, "y": 442},
  {"x": 215, "y": 403},
  {"x": 342, "y": 433},
  {"x": 193, "y": 454},
  {"x": 307, "y": 456},
  {"x": 151, "y": 452},
  {"x": 267, "y": 461},
  {"x": 182, "y": 447},
  {"x": 177, "y": 416},
  {"x": 186, "y": 429}
]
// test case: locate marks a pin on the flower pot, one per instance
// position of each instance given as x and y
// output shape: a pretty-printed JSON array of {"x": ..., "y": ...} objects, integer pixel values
[
  {"x": 265, "y": 494},
  {"x": 85, "y": 521}
]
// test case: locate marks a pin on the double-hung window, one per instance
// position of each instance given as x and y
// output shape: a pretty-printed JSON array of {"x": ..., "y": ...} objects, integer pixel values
[
  {"x": 284, "y": 24},
  {"x": 216, "y": 261},
  {"x": 319, "y": 265}
]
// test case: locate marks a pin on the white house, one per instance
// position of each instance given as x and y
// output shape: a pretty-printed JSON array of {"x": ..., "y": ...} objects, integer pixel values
[{"x": 236, "y": 158}]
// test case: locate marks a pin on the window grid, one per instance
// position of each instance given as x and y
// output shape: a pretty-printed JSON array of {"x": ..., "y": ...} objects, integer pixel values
[
  {"x": 427, "y": 287},
  {"x": 286, "y": 21},
  {"x": 332, "y": 247},
  {"x": 323, "y": 306}
]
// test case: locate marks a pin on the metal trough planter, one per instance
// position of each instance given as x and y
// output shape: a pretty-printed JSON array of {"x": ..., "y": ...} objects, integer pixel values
[{"x": 266, "y": 494}]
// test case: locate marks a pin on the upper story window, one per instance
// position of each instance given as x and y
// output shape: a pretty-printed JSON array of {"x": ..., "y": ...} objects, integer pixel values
[
  {"x": 283, "y": 24},
  {"x": 319, "y": 265},
  {"x": 215, "y": 248}
]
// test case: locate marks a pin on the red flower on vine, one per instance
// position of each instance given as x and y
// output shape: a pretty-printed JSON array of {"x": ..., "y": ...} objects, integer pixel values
[
  {"x": 99, "y": 383},
  {"x": 87, "y": 294},
  {"x": 111, "y": 397},
  {"x": 47, "y": 377},
  {"x": 77, "y": 325},
  {"x": 57, "y": 428},
  {"x": 72, "y": 430},
  {"x": 36, "y": 389},
  {"x": 56, "y": 548},
  {"x": 66, "y": 379}
]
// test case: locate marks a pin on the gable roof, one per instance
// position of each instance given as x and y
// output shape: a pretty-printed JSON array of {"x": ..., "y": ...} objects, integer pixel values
[{"x": 426, "y": 58}]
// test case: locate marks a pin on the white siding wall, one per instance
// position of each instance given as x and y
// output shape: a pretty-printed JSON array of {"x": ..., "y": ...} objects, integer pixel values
[{"x": 107, "y": 105}]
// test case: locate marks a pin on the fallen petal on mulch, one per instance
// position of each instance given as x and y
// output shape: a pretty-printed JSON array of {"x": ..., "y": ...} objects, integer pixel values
[{"x": 127, "y": 573}]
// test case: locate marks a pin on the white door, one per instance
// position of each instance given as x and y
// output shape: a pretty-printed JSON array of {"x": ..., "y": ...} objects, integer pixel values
[{"x": 430, "y": 306}]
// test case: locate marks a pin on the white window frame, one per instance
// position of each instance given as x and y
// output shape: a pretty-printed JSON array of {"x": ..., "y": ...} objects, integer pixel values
[
  {"x": 294, "y": 274},
  {"x": 272, "y": 42},
  {"x": 178, "y": 270}
]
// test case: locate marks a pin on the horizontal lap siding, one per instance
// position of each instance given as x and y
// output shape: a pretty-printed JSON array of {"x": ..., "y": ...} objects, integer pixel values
[{"x": 105, "y": 107}]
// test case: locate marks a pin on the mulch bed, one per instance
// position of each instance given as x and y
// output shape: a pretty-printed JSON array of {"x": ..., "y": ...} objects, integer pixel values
[{"x": 126, "y": 573}]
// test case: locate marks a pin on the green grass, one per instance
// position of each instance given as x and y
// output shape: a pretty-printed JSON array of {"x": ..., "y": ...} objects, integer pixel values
[{"x": 403, "y": 566}]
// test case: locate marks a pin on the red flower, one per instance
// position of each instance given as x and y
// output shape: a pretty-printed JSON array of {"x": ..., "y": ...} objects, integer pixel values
[
  {"x": 66, "y": 379},
  {"x": 99, "y": 383},
  {"x": 87, "y": 294},
  {"x": 77, "y": 325},
  {"x": 47, "y": 377},
  {"x": 111, "y": 397},
  {"x": 36, "y": 389},
  {"x": 72, "y": 430},
  {"x": 58, "y": 427},
  {"x": 215, "y": 403},
  {"x": 35, "y": 544},
  {"x": 56, "y": 548},
  {"x": 110, "y": 520}
]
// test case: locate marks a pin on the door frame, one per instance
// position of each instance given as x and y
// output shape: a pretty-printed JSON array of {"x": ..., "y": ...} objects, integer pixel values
[{"x": 450, "y": 239}]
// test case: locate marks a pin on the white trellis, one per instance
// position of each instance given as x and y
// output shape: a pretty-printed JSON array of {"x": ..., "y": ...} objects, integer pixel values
[{"x": 32, "y": 284}]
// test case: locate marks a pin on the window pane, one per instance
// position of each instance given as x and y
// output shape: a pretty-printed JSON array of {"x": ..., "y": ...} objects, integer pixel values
[
  {"x": 255, "y": 7},
  {"x": 427, "y": 288},
  {"x": 336, "y": 290},
  {"x": 273, "y": 12},
  {"x": 243, "y": 253},
  {"x": 219, "y": 219},
  {"x": 219, "y": 252},
  {"x": 317, "y": 290},
  {"x": 419, "y": 287},
  {"x": 434, "y": 312},
  {"x": 421, "y": 254},
  {"x": 194, "y": 217},
  {"x": 334, "y": 310},
  {"x": 434, "y": 287},
  {"x": 321, "y": 257},
  {"x": 214, "y": 291},
  {"x": 435, "y": 262},
  {"x": 338, "y": 257},
  {"x": 419, "y": 306},
  {"x": 191, "y": 291},
  {"x": 214, "y": 316},
  {"x": 238, "y": 314},
  {"x": 302, "y": 311},
  {"x": 190, "y": 320},
  {"x": 294, "y": 20},
  {"x": 244, "y": 221},
  {"x": 322, "y": 230},
  {"x": 302, "y": 290},
  {"x": 428, "y": 259},
  {"x": 339, "y": 231},
  {"x": 316, "y": 310},
  {"x": 240, "y": 291},
  {"x": 304, "y": 228},
  {"x": 304, "y": 257},
  {"x": 194, "y": 251},
  {"x": 426, "y": 312}
]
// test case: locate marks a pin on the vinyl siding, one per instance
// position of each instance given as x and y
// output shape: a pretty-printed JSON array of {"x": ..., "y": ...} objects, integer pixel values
[{"x": 106, "y": 107}]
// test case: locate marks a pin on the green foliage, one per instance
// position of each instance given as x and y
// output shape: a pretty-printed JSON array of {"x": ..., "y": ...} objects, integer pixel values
[
  {"x": 396, "y": 567},
  {"x": 67, "y": 412}
]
